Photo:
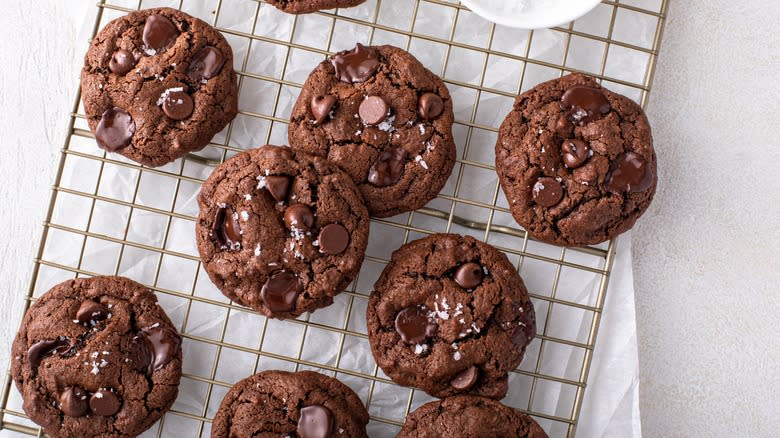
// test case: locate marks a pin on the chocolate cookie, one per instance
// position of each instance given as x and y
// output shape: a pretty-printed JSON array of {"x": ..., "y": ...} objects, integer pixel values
[
  {"x": 576, "y": 161},
  {"x": 282, "y": 404},
  {"x": 96, "y": 357},
  {"x": 450, "y": 315},
  {"x": 281, "y": 231},
  {"x": 306, "y": 6},
  {"x": 385, "y": 119},
  {"x": 158, "y": 84},
  {"x": 467, "y": 416}
]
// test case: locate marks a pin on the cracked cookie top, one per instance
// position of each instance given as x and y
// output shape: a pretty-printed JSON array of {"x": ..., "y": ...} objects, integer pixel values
[
  {"x": 96, "y": 357},
  {"x": 158, "y": 84},
  {"x": 383, "y": 118},
  {"x": 467, "y": 416},
  {"x": 576, "y": 161},
  {"x": 282, "y": 404},
  {"x": 281, "y": 231},
  {"x": 450, "y": 315},
  {"x": 306, "y": 6}
]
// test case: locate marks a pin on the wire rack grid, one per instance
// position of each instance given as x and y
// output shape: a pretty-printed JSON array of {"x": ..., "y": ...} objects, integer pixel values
[{"x": 108, "y": 215}]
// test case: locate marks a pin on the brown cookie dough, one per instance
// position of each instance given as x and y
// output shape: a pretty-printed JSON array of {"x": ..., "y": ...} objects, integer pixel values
[
  {"x": 158, "y": 84},
  {"x": 306, "y": 6},
  {"x": 450, "y": 315},
  {"x": 281, "y": 231},
  {"x": 467, "y": 416},
  {"x": 383, "y": 118},
  {"x": 278, "y": 404},
  {"x": 576, "y": 161},
  {"x": 96, "y": 357}
]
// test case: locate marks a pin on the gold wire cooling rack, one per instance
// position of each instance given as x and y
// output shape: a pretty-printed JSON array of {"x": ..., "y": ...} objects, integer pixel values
[{"x": 108, "y": 215}]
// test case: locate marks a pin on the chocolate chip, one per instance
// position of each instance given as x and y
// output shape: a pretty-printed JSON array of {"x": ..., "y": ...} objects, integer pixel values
[
  {"x": 333, "y": 239},
  {"x": 321, "y": 107},
  {"x": 104, "y": 403},
  {"x": 547, "y": 192},
  {"x": 373, "y": 110},
  {"x": 298, "y": 217},
  {"x": 278, "y": 186},
  {"x": 356, "y": 65},
  {"x": 414, "y": 326},
  {"x": 45, "y": 348},
  {"x": 114, "y": 130},
  {"x": 387, "y": 169},
  {"x": 430, "y": 106},
  {"x": 584, "y": 104},
  {"x": 280, "y": 291},
  {"x": 469, "y": 275},
  {"x": 177, "y": 105},
  {"x": 227, "y": 230},
  {"x": 159, "y": 33},
  {"x": 121, "y": 62},
  {"x": 465, "y": 379},
  {"x": 563, "y": 127},
  {"x": 629, "y": 173},
  {"x": 316, "y": 422},
  {"x": 205, "y": 64},
  {"x": 575, "y": 153},
  {"x": 139, "y": 354},
  {"x": 91, "y": 312},
  {"x": 164, "y": 345},
  {"x": 73, "y": 402}
]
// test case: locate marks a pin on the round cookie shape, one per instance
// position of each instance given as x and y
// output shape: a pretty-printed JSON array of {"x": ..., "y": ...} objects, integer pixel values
[
  {"x": 281, "y": 231},
  {"x": 307, "y": 6},
  {"x": 383, "y": 118},
  {"x": 576, "y": 161},
  {"x": 468, "y": 416},
  {"x": 158, "y": 84},
  {"x": 279, "y": 403},
  {"x": 438, "y": 324},
  {"x": 96, "y": 357}
]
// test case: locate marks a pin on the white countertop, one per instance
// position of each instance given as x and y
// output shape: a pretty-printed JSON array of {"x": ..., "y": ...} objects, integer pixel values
[{"x": 706, "y": 260}]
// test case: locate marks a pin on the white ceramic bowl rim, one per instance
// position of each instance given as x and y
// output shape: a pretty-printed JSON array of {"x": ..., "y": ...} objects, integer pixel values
[{"x": 525, "y": 20}]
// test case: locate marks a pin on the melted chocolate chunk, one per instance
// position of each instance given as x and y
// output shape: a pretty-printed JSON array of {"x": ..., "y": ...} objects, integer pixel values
[
  {"x": 430, "y": 106},
  {"x": 278, "y": 186},
  {"x": 163, "y": 344},
  {"x": 177, "y": 105},
  {"x": 387, "y": 169},
  {"x": 465, "y": 379},
  {"x": 280, "y": 291},
  {"x": 575, "y": 153},
  {"x": 159, "y": 33},
  {"x": 414, "y": 326},
  {"x": 121, "y": 62},
  {"x": 547, "y": 192},
  {"x": 227, "y": 230},
  {"x": 321, "y": 106},
  {"x": 316, "y": 422},
  {"x": 47, "y": 347},
  {"x": 91, "y": 312},
  {"x": 357, "y": 65},
  {"x": 115, "y": 129},
  {"x": 469, "y": 275},
  {"x": 630, "y": 173},
  {"x": 104, "y": 403},
  {"x": 73, "y": 402},
  {"x": 584, "y": 104},
  {"x": 333, "y": 239},
  {"x": 298, "y": 217},
  {"x": 206, "y": 64}
]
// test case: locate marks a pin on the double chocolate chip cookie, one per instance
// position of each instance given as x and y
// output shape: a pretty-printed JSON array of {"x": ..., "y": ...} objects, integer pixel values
[
  {"x": 281, "y": 231},
  {"x": 281, "y": 404},
  {"x": 466, "y": 416},
  {"x": 306, "y": 6},
  {"x": 576, "y": 161},
  {"x": 96, "y": 357},
  {"x": 158, "y": 84},
  {"x": 383, "y": 118},
  {"x": 450, "y": 315}
]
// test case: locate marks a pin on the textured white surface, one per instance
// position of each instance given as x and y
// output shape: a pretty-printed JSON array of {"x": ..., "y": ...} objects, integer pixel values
[{"x": 705, "y": 256}]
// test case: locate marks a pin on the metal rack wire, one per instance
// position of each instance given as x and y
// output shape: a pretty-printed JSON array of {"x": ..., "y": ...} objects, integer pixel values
[{"x": 464, "y": 205}]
